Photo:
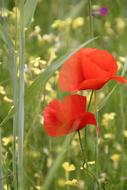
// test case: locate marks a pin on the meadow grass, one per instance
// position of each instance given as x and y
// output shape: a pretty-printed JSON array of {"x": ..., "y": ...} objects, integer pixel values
[{"x": 36, "y": 37}]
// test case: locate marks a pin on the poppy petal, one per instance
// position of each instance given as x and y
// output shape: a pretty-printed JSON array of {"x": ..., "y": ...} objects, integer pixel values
[
  {"x": 104, "y": 60},
  {"x": 92, "y": 70},
  {"x": 93, "y": 84},
  {"x": 75, "y": 105},
  {"x": 52, "y": 118},
  {"x": 88, "y": 119},
  {"x": 64, "y": 117},
  {"x": 86, "y": 51},
  {"x": 119, "y": 79},
  {"x": 70, "y": 74}
]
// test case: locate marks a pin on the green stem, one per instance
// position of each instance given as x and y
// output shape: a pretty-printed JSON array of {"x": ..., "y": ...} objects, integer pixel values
[
  {"x": 91, "y": 21},
  {"x": 123, "y": 126},
  {"x": 21, "y": 98},
  {"x": 96, "y": 143},
  {"x": 90, "y": 100},
  {"x": 15, "y": 99},
  {"x": 1, "y": 173},
  {"x": 85, "y": 138},
  {"x": 82, "y": 149},
  {"x": 15, "y": 121},
  {"x": 86, "y": 168},
  {"x": 1, "y": 180}
]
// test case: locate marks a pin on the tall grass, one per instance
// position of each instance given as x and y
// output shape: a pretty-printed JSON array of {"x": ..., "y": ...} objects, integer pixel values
[{"x": 21, "y": 95}]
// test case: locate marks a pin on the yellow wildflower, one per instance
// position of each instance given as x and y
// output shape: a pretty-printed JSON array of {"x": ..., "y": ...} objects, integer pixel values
[
  {"x": 7, "y": 140},
  {"x": 125, "y": 133},
  {"x": 78, "y": 22},
  {"x": 2, "y": 91},
  {"x": 6, "y": 99},
  {"x": 120, "y": 24},
  {"x": 68, "y": 167},
  {"x": 71, "y": 182},
  {"x": 115, "y": 157},
  {"x": 58, "y": 24}
]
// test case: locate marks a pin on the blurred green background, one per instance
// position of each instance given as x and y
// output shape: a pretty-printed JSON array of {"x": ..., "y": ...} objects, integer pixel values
[{"x": 58, "y": 27}]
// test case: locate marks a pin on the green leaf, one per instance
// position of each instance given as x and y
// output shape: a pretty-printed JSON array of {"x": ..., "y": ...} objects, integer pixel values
[
  {"x": 103, "y": 103},
  {"x": 9, "y": 115},
  {"x": 29, "y": 10},
  {"x": 57, "y": 162},
  {"x": 4, "y": 33},
  {"x": 76, "y": 9}
]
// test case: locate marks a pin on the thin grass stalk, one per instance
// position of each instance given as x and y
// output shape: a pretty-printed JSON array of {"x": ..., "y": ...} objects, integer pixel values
[
  {"x": 123, "y": 127},
  {"x": 91, "y": 21},
  {"x": 1, "y": 173},
  {"x": 85, "y": 167},
  {"x": 96, "y": 112},
  {"x": 21, "y": 97},
  {"x": 85, "y": 138},
  {"x": 15, "y": 99},
  {"x": 96, "y": 142},
  {"x": 91, "y": 35},
  {"x": 15, "y": 121}
]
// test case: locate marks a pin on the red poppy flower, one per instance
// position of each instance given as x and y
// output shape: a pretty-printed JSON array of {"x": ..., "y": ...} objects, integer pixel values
[
  {"x": 64, "y": 117},
  {"x": 88, "y": 68}
]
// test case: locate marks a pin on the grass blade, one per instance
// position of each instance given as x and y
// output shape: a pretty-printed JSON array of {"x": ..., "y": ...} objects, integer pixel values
[
  {"x": 29, "y": 10},
  {"x": 57, "y": 162},
  {"x": 6, "y": 37},
  {"x": 9, "y": 116},
  {"x": 1, "y": 181},
  {"x": 21, "y": 99}
]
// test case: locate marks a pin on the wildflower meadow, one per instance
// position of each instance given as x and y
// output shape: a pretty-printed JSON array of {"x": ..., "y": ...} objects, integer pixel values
[{"x": 63, "y": 95}]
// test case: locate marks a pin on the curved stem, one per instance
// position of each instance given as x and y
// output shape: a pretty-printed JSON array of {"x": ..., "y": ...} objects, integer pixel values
[{"x": 82, "y": 149}]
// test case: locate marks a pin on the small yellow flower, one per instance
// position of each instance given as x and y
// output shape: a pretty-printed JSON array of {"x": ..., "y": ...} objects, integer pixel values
[
  {"x": 52, "y": 55},
  {"x": 78, "y": 22},
  {"x": 125, "y": 133},
  {"x": 68, "y": 167},
  {"x": 38, "y": 187},
  {"x": 4, "y": 13},
  {"x": 107, "y": 118},
  {"x": 58, "y": 24},
  {"x": 7, "y": 140},
  {"x": 88, "y": 164},
  {"x": 120, "y": 24},
  {"x": 48, "y": 37},
  {"x": 2, "y": 91},
  {"x": 71, "y": 182},
  {"x": 115, "y": 157},
  {"x": 109, "y": 136},
  {"x": 6, "y": 99}
]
